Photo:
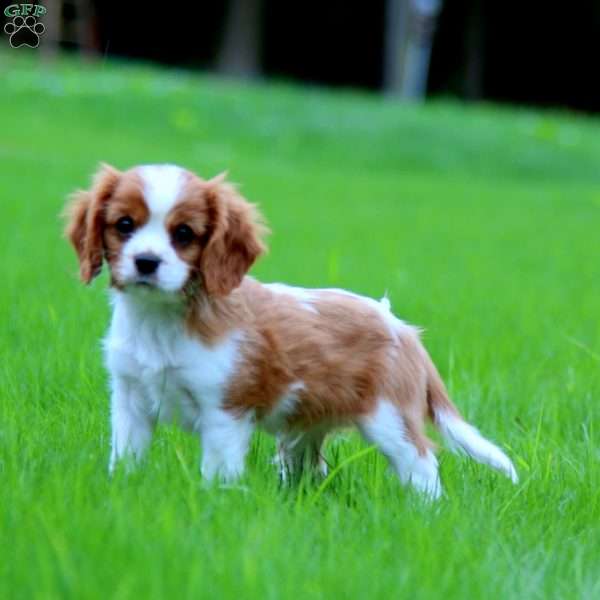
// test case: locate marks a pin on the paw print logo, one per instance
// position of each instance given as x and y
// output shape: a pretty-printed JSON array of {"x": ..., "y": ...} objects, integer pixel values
[{"x": 24, "y": 31}]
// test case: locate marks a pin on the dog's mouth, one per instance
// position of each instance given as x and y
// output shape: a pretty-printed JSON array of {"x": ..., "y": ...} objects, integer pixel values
[
  {"x": 145, "y": 282},
  {"x": 150, "y": 290}
]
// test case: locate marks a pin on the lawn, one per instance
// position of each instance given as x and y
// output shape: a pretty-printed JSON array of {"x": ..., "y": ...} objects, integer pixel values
[{"x": 482, "y": 225}]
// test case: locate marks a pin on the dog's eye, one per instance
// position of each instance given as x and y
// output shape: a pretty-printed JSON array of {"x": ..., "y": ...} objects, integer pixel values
[
  {"x": 183, "y": 235},
  {"x": 125, "y": 225}
]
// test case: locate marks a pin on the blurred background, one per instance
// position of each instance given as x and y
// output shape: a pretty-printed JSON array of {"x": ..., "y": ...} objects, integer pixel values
[
  {"x": 533, "y": 53},
  {"x": 438, "y": 152}
]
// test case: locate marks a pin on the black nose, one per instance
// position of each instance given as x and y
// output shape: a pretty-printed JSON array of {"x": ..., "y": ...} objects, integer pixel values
[{"x": 146, "y": 264}]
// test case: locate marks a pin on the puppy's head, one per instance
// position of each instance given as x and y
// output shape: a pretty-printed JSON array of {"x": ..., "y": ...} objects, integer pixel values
[{"x": 161, "y": 227}]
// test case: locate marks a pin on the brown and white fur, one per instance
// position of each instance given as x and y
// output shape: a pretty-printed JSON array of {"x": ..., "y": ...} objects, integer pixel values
[{"x": 193, "y": 339}]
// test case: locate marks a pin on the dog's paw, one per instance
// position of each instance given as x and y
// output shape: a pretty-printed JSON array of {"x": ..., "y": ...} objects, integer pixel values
[{"x": 24, "y": 31}]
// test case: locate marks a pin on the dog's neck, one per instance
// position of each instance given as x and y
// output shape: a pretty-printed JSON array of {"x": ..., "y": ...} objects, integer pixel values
[
  {"x": 212, "y": 317},
  {"x": 208, "y": 317},
  {"x": 149, "y": 307}
]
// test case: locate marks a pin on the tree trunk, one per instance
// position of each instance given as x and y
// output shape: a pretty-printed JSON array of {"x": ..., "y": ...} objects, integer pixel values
[
  {"x": 396, "y": 27},
  {"x": 475, "y": 52},
  {"x": 52, "y": 20},
  {"x": 240, "y": 51},
  {"x": 85, "y": 29},
  {"x": 408, "y": 59}
]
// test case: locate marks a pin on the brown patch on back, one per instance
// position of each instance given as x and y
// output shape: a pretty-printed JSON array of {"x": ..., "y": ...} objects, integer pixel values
[{"x": 344, "y": 354}]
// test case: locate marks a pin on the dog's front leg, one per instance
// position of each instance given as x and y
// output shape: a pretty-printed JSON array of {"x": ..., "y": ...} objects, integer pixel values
[
  {"x": 225, "y": 440},
  {"x": 132, "y": 426}
]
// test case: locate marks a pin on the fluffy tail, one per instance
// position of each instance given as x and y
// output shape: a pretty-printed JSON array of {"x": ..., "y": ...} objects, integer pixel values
[{"x": 457, "y": 433}]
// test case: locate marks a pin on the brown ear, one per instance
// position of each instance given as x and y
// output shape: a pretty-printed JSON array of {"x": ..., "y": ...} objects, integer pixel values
[
  {"x": 235, "y": 228},
  {"x": 85, "y": 221}
]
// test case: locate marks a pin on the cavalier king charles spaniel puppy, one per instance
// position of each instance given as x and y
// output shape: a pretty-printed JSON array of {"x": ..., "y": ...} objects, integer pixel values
[{"x": 195, "y": 340}]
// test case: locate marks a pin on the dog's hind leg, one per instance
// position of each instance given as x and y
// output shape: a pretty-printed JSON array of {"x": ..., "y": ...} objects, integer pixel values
[
  {"x": 297, "y": 451},
  {"x": 403, "y": 442}
]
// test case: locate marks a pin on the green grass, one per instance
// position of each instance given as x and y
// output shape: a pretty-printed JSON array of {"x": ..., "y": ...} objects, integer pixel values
[{"x": 482, "y": 225}]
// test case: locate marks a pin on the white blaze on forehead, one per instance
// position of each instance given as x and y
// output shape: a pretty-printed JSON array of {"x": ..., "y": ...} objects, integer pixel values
[{"x": 162, "y": 186}]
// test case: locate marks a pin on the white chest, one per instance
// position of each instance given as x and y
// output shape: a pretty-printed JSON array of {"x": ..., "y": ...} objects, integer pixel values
[{"x": 177, "y": 374}]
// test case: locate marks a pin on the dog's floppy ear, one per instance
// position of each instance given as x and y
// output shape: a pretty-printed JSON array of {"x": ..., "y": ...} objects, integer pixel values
[
  {"x": 235, "y": 230},
  {"x": 85, "y": 221}
]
